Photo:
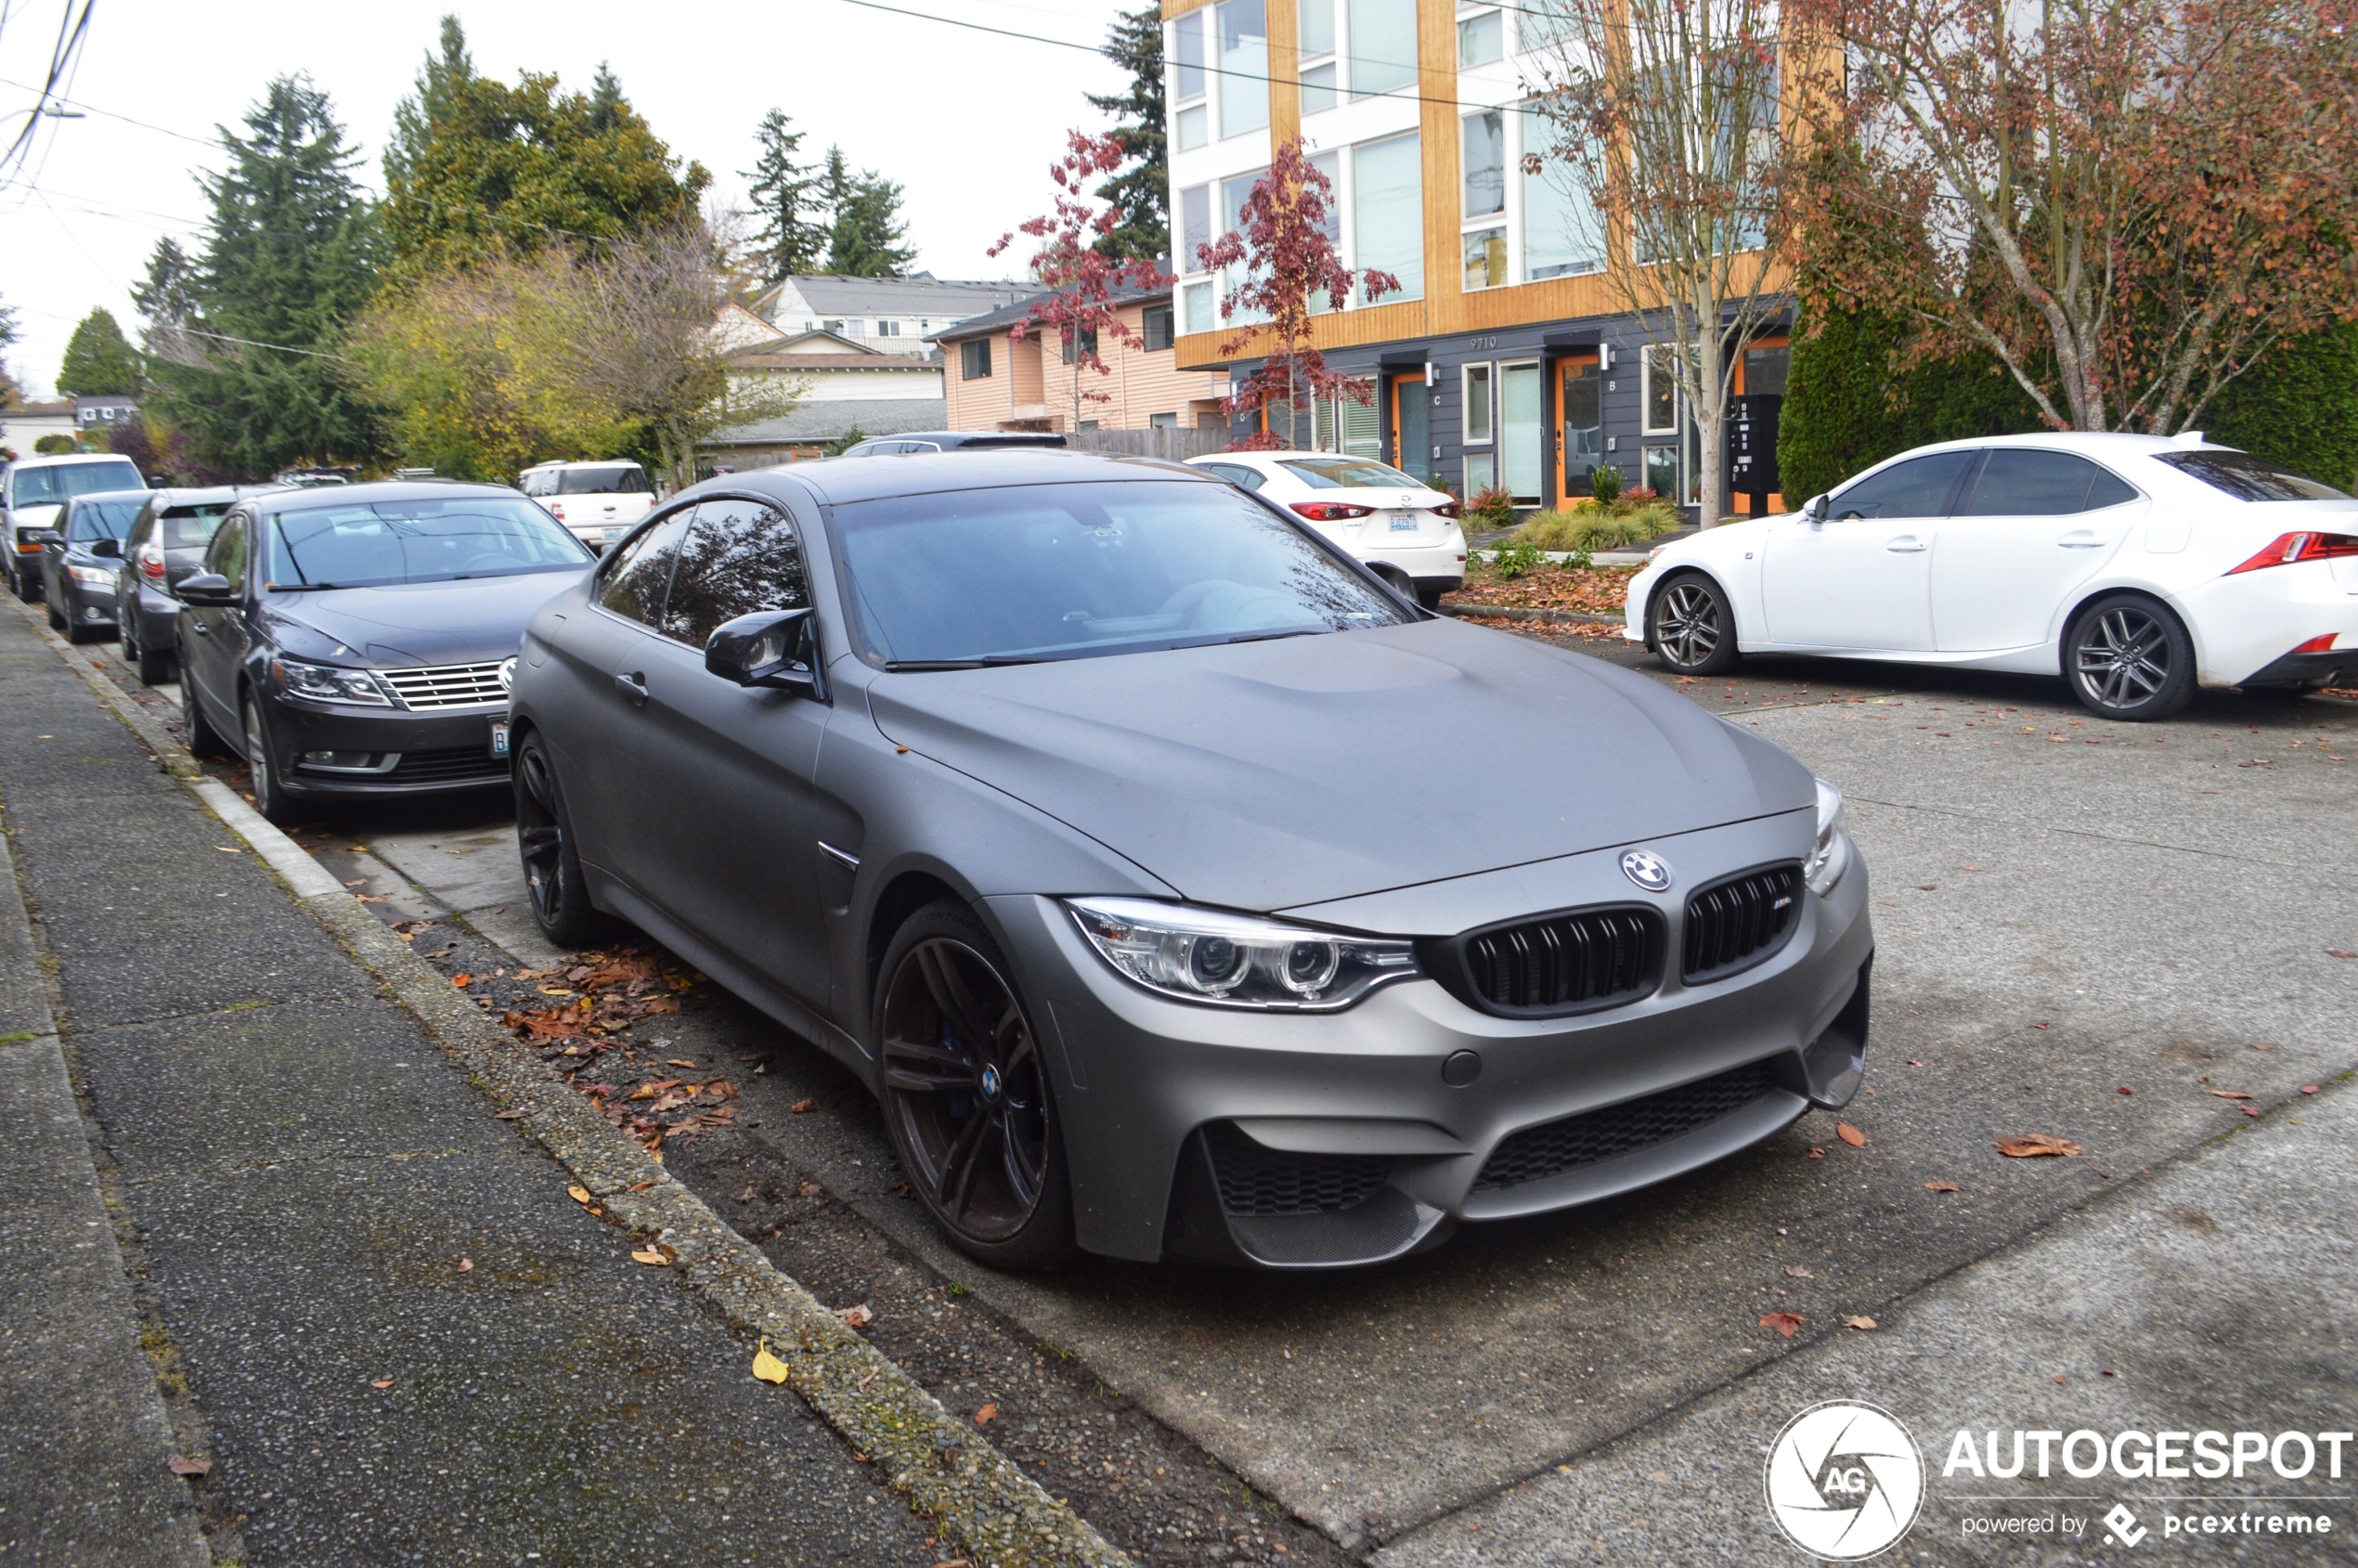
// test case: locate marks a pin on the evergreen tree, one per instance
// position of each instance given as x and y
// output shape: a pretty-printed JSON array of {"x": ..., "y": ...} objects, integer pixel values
[
  {"x": 607, "y": 105},
  {"x": 1140, "y": 191},
  {"x": 784, "y": 191},
  {"x": 415, "y": 117},
  {"x": 289, "y": 259},
  {"x": 99, "y": 360},
  {"x": 163, "y": 296},
  {"x": 866, "y": 229}
]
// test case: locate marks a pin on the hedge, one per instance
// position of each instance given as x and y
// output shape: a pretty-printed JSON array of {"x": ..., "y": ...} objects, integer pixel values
[{"x": 2297, "y": 406}]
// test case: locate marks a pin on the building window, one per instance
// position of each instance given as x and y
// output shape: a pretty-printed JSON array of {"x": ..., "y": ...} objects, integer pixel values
[
  {"x": 831, "y": 325},
  {"x": 1387, "y": 211},
  {"x": 1318, "y": 88},
  {"x": 1195, "y": 127},
  {"x": 1541, "y": 23},
  {"x": 887, "y": 329},
  {"x": 1482, "y": 473},
  {"x": 1197, "y": 299},
  {"x": 1522, "y": 440},
  {"x": 1766, "y": 371},
  {"x": 1483, "y": 138},
  {"x": 1477, "y": 420},
  {"x": 1195, "y": 226},
  {"x": 1086, "y": 338},
  {"x": 1659, "y": 392},
  {"x": 1486, "y": 258},
  {"x": 1193, "y": 124},
  {"x": 1482, "y": 40},
  {"x": 1244, "y": 59},
  {"x": 1233, "y": 194},
  {"x": 1662, "y": 472},
  {"x": 1155, "y": 322},
  {"x": 1562, "y": 236},
  {"x": 1382, "y": 45},
  {"x": 974, "y": 359},
  {"x": 1162, "y": 421},
  {"x": 1316, "y": 20}
]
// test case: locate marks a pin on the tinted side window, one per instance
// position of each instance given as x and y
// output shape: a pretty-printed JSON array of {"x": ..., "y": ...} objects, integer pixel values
[
  {"x": 635, "y": 585},
  {"x": 1251, "y": 478},
  {"x": 2032, "y": 484},
  {"x": 1919, "y": 487},
  {"x": 741, "y": 558},
  {"x": 230, "y": 548}
]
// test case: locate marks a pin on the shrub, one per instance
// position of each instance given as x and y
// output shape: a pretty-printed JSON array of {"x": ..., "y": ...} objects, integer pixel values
[
  {"x": 1491, "y": 508},
  {"x": 2297, "y": 406},
  {"x": 1596, "y": 527},
  {"x": 1517, "y": 558},
  {"x": 1605, "y": 484},
  {"x": 55, "y": 446}
]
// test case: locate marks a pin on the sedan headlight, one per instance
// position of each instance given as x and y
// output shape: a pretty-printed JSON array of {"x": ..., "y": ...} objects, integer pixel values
[
  {"x": 97, "y": 577},
  {"x": 1236, "y": 960},
  {"x": 1829, "y": 856},
  {"x": 326, "y": 683}
]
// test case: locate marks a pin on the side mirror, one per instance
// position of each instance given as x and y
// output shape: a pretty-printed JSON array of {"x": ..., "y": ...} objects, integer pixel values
[
  {"x": 107, "y": 549},
  {"x": 45, "y": 537},
  {"x": 1814, "y": 509},
  {"x": 777, "y": 649},
  {"x": 205, "y": 588}
]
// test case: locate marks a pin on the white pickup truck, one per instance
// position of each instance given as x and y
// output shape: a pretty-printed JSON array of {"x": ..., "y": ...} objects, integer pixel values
[{"x": 598, "y": 502}]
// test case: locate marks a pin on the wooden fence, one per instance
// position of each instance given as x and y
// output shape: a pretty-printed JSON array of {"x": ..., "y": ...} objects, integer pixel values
[{"x": 1175, "y": 443}]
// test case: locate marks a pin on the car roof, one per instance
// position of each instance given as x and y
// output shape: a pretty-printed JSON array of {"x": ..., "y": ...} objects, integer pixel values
[
  {"x": 187, "y": 495},
  {"x": 584, "y": 463},
  {"x": 1009, "y": 438},
  {"x": 842, "y": 480},
  {"x": 108, "y": 496},
  {"x": 297, "y": 495},
  {"x": 66, "y": 460}
]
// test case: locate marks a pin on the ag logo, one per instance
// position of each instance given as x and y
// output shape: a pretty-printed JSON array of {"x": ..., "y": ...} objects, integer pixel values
[{"x": 1845, "y": 1480}]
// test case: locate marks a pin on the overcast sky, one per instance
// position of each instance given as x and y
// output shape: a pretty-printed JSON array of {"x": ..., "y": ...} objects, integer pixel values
[{"x": 967, "y": 121}]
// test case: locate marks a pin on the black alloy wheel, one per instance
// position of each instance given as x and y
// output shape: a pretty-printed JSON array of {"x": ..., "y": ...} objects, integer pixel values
[
  {"x": 966, "y": 1095},
  {"x": 1692, "y": 626},
  {"x": 204, "y": 741},
  {"x": 2128, "y": 659},
  {"x": 262, "y": 773},
  {"x": 545, "y": 842},
  {"x": 154, "y": 669}
]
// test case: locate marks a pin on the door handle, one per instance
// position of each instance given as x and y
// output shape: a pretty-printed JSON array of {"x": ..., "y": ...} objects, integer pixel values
[
  {"x": 633, "y": 685},
  {"x": 1906, "y": 544},
  {"x": 2079, "y": 540}
]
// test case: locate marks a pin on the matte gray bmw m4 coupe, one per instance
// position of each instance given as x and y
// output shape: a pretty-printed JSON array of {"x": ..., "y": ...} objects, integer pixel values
[{"x": 1178, "y": 888}]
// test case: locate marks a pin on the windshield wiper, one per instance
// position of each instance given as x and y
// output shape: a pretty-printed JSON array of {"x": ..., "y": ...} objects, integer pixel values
[
  {"x": 298, "y": 587},
  {"x": 988, "y": 661},
  {"x": 1273, "y": 636}
]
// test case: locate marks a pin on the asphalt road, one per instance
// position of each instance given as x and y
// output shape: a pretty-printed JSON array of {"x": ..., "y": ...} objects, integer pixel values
[{"x": 2065, "y": 909}]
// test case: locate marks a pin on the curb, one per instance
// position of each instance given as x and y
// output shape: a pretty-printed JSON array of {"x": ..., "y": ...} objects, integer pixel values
[
  {"x": 978, "y": 1498},
  {"x": 1544, "y": 617}
]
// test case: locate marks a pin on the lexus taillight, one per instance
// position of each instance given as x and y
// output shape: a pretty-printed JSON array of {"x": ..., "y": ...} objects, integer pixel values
[
  {"x": 152, "y": 561},
  {"x": 1448, "y": 509},
  {"x": 1331, "y": 511},
  {"x": 2286, "y": 549}
]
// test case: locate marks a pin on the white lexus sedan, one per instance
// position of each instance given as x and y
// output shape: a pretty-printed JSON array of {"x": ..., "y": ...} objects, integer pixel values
[
  {"x": 1404, "y": 528},
  {"x": 2138, "y": 567}
]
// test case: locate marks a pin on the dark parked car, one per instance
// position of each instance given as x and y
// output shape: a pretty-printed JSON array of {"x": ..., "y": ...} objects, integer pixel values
[
  {"x": 82, "y": 556},
  {"x": 165, "y": 544},
  {"x": 356, "y": 640},
  {"x": 951, "y": 441},
  {"x": 1112, "y": 825}
]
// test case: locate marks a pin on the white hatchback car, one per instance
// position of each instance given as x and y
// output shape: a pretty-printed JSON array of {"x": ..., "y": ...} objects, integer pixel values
[
  {"x": 2137, "y": 567},
  {"x": 1404, "y": 528},
  {"x": 598, "y": 502}
]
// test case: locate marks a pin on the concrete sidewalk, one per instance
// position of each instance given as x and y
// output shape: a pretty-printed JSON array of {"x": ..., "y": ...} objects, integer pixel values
[{"x": 315, "y": 1205}]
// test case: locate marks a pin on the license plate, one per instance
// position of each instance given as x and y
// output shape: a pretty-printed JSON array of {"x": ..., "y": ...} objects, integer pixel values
[
  {"x": 498, "y": 737},
  {"x": 1405, "y": 523}
]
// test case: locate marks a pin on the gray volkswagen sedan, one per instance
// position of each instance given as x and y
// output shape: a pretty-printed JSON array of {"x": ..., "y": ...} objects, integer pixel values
[{"x": 1147, "y": 856}]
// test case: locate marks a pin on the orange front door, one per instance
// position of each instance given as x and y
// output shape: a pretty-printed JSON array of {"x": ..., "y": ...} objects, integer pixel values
[
  {"x": 1580, "y": 419},
  {"x": 1412, "y": 426}
]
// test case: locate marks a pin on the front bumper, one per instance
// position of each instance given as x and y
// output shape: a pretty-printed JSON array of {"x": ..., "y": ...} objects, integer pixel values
[
  {"x": 85, "y": 604},
  {"x": 382, "y": 753},
  {"x": 1364, "y": 1111}
]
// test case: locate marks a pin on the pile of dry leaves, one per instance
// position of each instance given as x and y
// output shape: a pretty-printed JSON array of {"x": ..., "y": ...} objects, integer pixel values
[
  {"x": 597, "y": 1000},
  {"x": 1598, "y": 591}
]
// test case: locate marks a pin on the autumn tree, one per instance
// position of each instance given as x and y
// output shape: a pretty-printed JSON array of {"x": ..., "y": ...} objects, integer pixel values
[
  {"x": 99, "y": 359},
  {"x": 785, "y": 198},
  {"x": 2125, "y": 202},
  {"x": 1288, "y": 262},
  {"x": 1665, "y": 113},
  {"x": 1085, "y": 284},
  {"x": 1139, "y": 189}
]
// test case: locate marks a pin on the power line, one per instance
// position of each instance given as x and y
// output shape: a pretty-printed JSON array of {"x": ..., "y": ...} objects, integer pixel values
[{"x": 111, "y": 114}]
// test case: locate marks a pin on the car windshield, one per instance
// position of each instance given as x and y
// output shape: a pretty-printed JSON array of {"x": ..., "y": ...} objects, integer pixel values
[
  {"x": 437, "y": 540},
  {"x": 188, "y": 526},
  {"x": 627, "y": 479},
  {"x": 1348, "y": 474},
  {"x": 1069, "y": 571},
  {"x": 104, "y": 520},
  {"x": 46, "y": 487},
  {"x": 2248, "y": 478}
]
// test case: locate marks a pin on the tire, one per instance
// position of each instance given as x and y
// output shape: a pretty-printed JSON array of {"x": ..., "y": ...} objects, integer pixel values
[
  {"x": 269, "y": 798},
  {"x": 1692, "y": 625},
  {"x": 1429, "y": 594},
  {"x": 154, "y": 669},
  {"x": 27, "y": 589},
  {"x": 545, "y": 842},
  {"x": 2127, "y": 657},
  {"x": 58, "y": 623},
  {"x": 204, "y": 739},
  {"x": 966, "y": 1095}
]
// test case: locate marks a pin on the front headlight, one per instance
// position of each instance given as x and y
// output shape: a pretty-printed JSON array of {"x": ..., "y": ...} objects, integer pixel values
[
  {"x": 1829, "y": 856},
  {"x": 97, "y": 577},
  {"x": 326, "y": 683},
  {"x": 1212, "y": 956}
]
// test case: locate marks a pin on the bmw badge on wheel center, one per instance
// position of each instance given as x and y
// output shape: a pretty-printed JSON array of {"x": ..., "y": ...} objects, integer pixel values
[{"x": 1112, "y": 826}]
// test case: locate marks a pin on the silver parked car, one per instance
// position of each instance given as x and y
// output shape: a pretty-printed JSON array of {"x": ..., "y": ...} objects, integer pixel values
[{"x": 1135, "y": 844}]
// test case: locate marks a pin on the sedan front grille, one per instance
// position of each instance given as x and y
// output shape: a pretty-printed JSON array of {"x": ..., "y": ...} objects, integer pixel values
[
  {"x": 1254, "y": 1180},
  {"x": 1585, "y": 959},
  {"x": 450, "y": 685},
  {"x": 1555, "y": 1148},
  {"x": 1733, "y": 925},
  {"x": 452, "y": 765}
]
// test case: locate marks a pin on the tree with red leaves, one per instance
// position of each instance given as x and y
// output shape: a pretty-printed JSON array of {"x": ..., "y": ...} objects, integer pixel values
[
  {"x": 1288, "y": 260},
  {"x": 1083, "y": 302}
]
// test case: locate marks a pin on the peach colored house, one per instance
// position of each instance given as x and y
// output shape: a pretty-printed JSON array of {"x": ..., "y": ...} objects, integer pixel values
[{"x": 997, "y": 382}]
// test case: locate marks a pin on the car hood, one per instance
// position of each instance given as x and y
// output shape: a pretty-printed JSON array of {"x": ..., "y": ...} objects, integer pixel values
[
  {"x": 30, "y": 517},
  {"x": 474, "y": 621},
  {"x": 1266, "y": 775}
]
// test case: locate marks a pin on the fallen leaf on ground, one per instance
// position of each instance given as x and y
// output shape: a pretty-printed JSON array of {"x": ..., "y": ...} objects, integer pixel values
[
  {"x": 857, "y": 1316},
  {"x": 373, "y": 898},
  {"x": 2337, "y": 953},
  {"x": 641, "y": 1186},
  {"x": 381, "y": 1382},
  {"x": 2060, "y": 1380},
  {"x": 2228, "y": 1094},
  {"x": 2309, "y": 1088},
  {"x": 675, "y": 1061},
  {"x": 180, "y": 1464},
  {"x": 768, "y": 1368},
  {"x": 1817, "y": 1153},
  {"x": 358, "y": 882},
  {"x": 649, "y": 1256},
  {"x": 2259, "y": 1046},
  {"x": 1860, "y": 1323},
  {"x": 2249, "y": 1110},
  {"x": 2041, "y": 1026},
  {"x": 1798, "y": 1272},
  {"x": 1850, "y": 1135},
  {"x": 1785, "y": 1323},
  {"x": 803, "y": 1108},
  {"x": 579, "y": 1194},
  {"x": 1914, "y": 1061},
  {"x": 2031, "y": 1144},
  {"x": 809, "y": 1189},
  {"x": 466, "y": 1265},
  {"x": 649, "y": 1090},
  {"x": 515, "y": 1114},
  {"x": 2124, "y": 1089},
  {"x": 1940, "y": 1187},
  {"x": 746, "y": 1196},
  {"x": 226, "y": 848},
  {"x": 987, "y": 1415}
]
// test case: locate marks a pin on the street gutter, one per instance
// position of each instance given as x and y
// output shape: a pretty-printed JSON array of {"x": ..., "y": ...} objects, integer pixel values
[{"x": 949, "y": 1474}]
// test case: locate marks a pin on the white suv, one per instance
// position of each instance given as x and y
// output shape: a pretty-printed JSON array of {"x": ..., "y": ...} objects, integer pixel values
[
  {"x": 33, "y": 496},
  {"x": 598, "y": 502}
]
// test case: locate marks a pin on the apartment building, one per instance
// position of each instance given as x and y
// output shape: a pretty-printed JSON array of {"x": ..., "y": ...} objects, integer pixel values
[
  {"x": 891, "y": 315},
  {"x": 1504, "y": 360},
  {"x": 997, "y": 382}
]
